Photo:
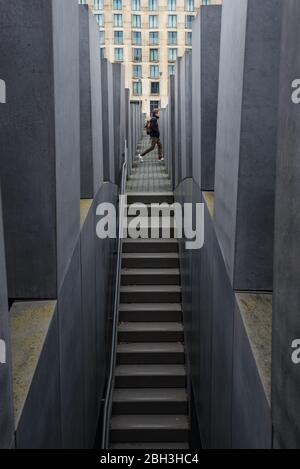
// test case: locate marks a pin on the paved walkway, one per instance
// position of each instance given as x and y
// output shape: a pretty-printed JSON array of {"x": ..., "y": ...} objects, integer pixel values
[{"x": 150, "y": 176}]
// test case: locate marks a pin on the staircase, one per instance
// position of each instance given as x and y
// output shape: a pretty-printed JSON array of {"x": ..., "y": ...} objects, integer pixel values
[{"x": 150, "y": 403}]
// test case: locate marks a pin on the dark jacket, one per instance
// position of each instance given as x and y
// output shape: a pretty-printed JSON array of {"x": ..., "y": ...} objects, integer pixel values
[{"x": 154, "y": 128}]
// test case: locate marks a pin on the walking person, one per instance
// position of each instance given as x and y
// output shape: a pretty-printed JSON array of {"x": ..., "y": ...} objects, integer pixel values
[{"x": 155, "y": 138}]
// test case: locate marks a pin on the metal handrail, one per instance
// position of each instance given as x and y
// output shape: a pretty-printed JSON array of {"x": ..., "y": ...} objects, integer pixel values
[{"x": 110, "y": 383}]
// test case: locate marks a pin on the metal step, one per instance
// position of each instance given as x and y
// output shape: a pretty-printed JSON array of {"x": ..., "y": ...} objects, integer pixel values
[
  {"x": 150, "y": 260},
  {"x": 150, "y": 246},
  {"x": 150, "y": 353},
  {"x": 146, "y": 312},
  {"x": 150, "y": 294},
  {"x": 141, "y": 446},
  {"x": 150, "y": 197},
  {"x": 150, "y": 401},
  {"x": 150, "y": 376},
  {"x": 147, "y": 428},
  {"x": 150, "y": 277},
  {"x": 151, "y": 332}
]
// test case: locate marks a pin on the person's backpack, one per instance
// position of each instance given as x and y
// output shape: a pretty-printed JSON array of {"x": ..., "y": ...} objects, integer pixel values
[{"x": 148, "y": 127}]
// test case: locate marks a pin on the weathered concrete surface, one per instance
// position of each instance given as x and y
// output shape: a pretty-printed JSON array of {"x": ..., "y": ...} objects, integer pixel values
[
  {"x": 186, "y": 115},
  {"x": 177, "y": 154},
  {"x": 89, "y": 321},
  {"x": 205, "y": 71},
  {"x": 91, "y": 144},
  {"x": 286, "y": 328},
  {"x": 119, "y": 117},
  {"x": 71, "y": 355},
  {"x": 36, "y": 390},
  {"x": 40, "y": 148},
  {"x": 6, "y": 404},
  {"x": 108, "y": 121},
  {"x": 247, "y": 139},
  {"x": 251, "y": 411}
]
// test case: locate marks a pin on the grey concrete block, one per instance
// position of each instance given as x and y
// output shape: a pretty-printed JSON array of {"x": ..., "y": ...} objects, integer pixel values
[
  {"x": 91, "y": 140},
  {"x": 186, "y": 115},
  {"x": 105, "y": 288},
  {"x": 89, "y": 321},
  {"x": 205, "y": 71},
  {"x": 222, "y": 356},
  {"x": 108, "y": 121},
  {"x": 171, "y": 130},
  {"x": 178, "y": 119},
  {"x": 71, "y": 353},
  {"x": 40, "y": 162},
  {"x": 251, "y": 412},
  {"x": 6, "y": 404},
  {"x": 286, "y": 326},
  {"x": 119, "y": 117},
  {"x": 247, "y": 139},
  {"x": 35, "y": 352}
]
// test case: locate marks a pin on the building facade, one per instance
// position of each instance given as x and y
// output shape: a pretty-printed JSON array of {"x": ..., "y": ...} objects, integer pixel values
[{"x": 147, "y": 36}]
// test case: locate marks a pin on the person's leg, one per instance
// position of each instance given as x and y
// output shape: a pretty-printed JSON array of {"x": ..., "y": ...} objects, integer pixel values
[
  {"x": 153, "y": 143},
  {"x": 160, "y": 149}
]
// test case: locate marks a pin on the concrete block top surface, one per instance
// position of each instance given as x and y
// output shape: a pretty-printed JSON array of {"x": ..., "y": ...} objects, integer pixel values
[
  {"x": 29, "y": 325},
  {"x": 85, "y": 207},
  {"x": 256, "y": 313}
]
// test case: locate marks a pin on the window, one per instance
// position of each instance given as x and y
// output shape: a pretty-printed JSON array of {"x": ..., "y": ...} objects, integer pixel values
[
  {"x": 117, "y": 4},
  {"x": 172, "y": 21},
  {"x": 137, "y": 55},
  {"x": 172, "y": 54},
  {"x": 136, "y": 5},
  {"x": 118, "y": 21},
  {"x": 189, "y": 19},
  {"x": 136, "y": 21},
  {"x": 172, "y": 37},
  {"x": 137, "y": 88},
  {"x": 119, "y": 54},
  {"x": 137, "y": 71},
  {"x": 189, "y": 5},
  {"x": 172, "y": 5},
  {"x": 100, "y": 20},
  {"x": 98, "y": 4},
  {"x": 102, "y": 37},
  {"x": 153, "y": 38},
  {"x": 102, "y": 52},
  {"x": 154, "y": 105},
  {"x": 153, "y": 55},
  {"x": 206, "y": 2},
  {"x": 152, "y": 5},
  {"x": 153, "y": 21},
  {"x": 171, "y": 69},
  {"x": 188, "y": 38},
  {"x": 118, "y": 37},
  {"x": 136, "y": 37},
  {"x": 154, "y": 71},
  {"x": 154, "y": 87}
]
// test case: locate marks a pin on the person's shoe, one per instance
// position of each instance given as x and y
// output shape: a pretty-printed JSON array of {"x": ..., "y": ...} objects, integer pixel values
[
  {"x": 141, "y": 158},
  {"x": 161, "y": 159}
]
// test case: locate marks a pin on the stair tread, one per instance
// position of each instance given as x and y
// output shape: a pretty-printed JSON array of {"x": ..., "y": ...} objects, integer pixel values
[
  {"x": 151, "y": 326},
  {"x": 153, "y": 422},
  {"x": 133, "y": 271},
  {"x": 150, "y": 194},
  {"x": 150, "y": 307},
  {"x": 150, "y": 394},
  {"x": 149, "y": 241},
  {"x": 150, "y": 288},
  {"x": 151, "y": 347},
  {"x": 150, "y": 255},
  {"x": 150, "y": 370},
  {"x": 140, "y": 446}
]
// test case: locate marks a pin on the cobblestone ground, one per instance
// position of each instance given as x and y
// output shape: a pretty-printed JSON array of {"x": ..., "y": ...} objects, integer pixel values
[{"x": 150, "y": 176}]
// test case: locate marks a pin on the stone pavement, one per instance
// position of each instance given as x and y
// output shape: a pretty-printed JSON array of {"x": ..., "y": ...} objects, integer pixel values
[{"x": 150, "y": 176}]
